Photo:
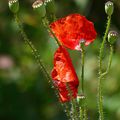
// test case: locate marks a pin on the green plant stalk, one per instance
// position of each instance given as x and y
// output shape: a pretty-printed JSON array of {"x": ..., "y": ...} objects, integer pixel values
[
  {"x": 46, "y": 24},
  {"x": 81, "y": 113},
  {"x": 103, "y": 44},
  {"x": 82, "y": 63},
  {"x": 75, "y": 114},
  {"x": 34, "y": 50},
  {"x": 85, "y": 114},
  {"x": 67, "y": 111},
  {"x": 109, "y": 62},
  {"x": 100, "y": 97},
  {"x": 82, "y": 108}
]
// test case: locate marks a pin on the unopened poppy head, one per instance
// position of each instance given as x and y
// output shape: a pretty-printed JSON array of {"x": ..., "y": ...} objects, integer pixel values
[
  {"x": 64, "y": 76},
  {"x": 72, "y": 29}
]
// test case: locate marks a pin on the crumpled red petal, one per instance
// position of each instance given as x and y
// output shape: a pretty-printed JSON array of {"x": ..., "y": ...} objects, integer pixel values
[
  {"x": 64, "y": 74},
  {"x": 72, "y": 29}
]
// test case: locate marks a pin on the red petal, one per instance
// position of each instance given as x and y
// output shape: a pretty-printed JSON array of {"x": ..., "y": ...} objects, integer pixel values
[
  {"x": 63, "y": 73},
  {"x": 72, "y": 29}
]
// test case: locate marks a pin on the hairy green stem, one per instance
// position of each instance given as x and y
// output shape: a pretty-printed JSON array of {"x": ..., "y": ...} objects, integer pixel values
[
  {"x": 74, "y": 111},
  {"x": 83, "y": 113},
  {"x": 103, "y": 44},
  {"x": 100, "y": 97},
  {"x": 67, "y": 111},
  {"x": 109, "y": 62},
  {"x": 34, "y": 50},
  {"x": 46, "y": 24},
  {"x": 82, "y": 63}
]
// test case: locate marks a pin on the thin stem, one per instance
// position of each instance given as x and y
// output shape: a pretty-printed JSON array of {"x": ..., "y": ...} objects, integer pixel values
[
  {"x": 34, "y": 50},
  {"x": 100, "y": 100},
  {"x": 46, "y": 24},
  {"x": 100, "y": 97},
  {"x": 109, "y": 62},
  {"x": 67, "y": 111},
  {"x": 82, "y": 63},
  {"x": 73, "y": 103},
  {"x": 103, "y": 44},
  {"x": 83, "y": 113}
]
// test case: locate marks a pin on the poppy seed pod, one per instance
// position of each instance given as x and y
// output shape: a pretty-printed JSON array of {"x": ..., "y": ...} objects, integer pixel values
[
  {"x": 50, "y": 6},
  {"x": 13, "y": 5},
  {"x": 109, "y": 8},
  {"x": 112, "y": 37},
  {"x": 39, "y": 7}
]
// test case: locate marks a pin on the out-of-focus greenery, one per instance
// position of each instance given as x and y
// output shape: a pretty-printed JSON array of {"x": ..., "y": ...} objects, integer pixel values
[{"x": 25, "y": 94}]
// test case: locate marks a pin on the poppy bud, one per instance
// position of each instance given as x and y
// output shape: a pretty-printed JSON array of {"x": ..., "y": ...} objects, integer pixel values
[
  {"x": 109, "y": 7},
  {"x": 112, "y": 37},
  {"x": 13, "y": 5},
  {"x": 39, "y": 7},
  {"x": 50, "y": 6}
]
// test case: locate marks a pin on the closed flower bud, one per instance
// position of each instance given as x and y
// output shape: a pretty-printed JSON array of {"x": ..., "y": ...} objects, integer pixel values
[
  {"x": 13, "y": 5},
  {"x": 112, "y": 37},
  {"x": 50, "y": 6},
  {"x": 39, "y": 7},
  {"x": 109, "y": 8}
]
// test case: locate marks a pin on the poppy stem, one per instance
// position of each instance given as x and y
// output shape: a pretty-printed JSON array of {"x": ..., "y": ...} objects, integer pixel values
[
  {"x": 82, "y": 63},
  {"x": 74, "y": 111},
  {"x": 82, "y": 108},
  {"x": 34, "y": 50},
  {"x": 101, "y": 74},
  {"x": 46, "y": 24},
  {"x": 65, "y": 105},
  {"x": 83, "y": 113},
  {"x": 109, "y": 62}
]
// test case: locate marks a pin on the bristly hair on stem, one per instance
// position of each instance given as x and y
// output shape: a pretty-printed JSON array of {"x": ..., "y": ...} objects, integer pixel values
[
  {"x": 101, "y": 74},
  {"x": 34, "y": 50}
]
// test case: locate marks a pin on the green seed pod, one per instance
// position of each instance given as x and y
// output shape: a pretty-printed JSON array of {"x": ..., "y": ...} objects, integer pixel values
[
  {"x": 39, "y": 7},
  {"x": 50, "y": 6},
  {"x": 109, "y": 8},
  {"x": 112, "y": 37},
  {"x": 13, "y": 5}
]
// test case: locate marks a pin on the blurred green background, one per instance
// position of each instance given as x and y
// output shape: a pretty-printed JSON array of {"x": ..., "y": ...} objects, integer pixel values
[{"x": 25, "y": 94}]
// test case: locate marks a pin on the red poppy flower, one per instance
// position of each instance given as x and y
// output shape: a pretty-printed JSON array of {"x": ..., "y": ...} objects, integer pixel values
[
  {"x": 72, "y": 29},
  {"x": 64, "y": 76}
]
